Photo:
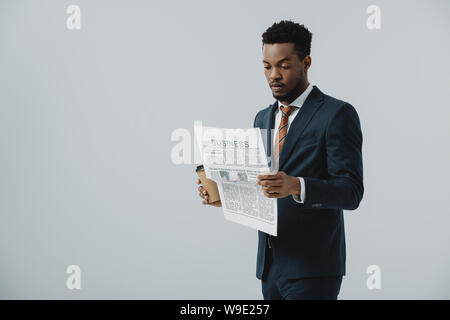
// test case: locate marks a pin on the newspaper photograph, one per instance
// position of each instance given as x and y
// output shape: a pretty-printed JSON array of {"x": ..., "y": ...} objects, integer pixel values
[{"x": 233, "y": 158}]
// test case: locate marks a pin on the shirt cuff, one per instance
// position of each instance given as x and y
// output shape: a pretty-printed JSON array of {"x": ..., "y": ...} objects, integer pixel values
[{"x": 300, "y": 198}]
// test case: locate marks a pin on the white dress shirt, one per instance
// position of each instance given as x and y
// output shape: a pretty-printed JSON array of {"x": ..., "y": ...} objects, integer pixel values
[{"x": 297, "y": 103}]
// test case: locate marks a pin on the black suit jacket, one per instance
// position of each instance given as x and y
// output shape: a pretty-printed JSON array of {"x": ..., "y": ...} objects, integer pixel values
[{"x": 323, "y": 146}]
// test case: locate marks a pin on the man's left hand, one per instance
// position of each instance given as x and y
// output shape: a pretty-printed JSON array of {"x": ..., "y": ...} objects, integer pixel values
[{"x": 278, "y": 184}]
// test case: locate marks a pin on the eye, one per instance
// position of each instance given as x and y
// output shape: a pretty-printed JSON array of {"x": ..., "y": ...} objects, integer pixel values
[
  {"x": 285, "y": 67},
  {"x": 267, "y": 67}
]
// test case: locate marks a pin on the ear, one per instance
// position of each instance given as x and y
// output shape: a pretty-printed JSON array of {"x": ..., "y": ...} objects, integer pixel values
[{"x": 306, "y": 62}]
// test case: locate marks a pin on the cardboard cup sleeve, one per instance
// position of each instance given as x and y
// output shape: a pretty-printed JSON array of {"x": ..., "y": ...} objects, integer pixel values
[{"x": 209, "y": 185}]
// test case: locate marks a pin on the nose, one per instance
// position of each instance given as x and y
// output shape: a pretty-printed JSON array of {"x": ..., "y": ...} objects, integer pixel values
[{"x": 274, "y": 74}]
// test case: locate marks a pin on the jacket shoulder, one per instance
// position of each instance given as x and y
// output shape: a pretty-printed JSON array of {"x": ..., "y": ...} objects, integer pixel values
[
  {"x": 260, "y": 115},
  {"x": 335, "y": 106}
]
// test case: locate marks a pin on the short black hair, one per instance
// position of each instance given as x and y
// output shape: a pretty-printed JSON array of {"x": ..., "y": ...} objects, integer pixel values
[{"x": 289, "y": 31}]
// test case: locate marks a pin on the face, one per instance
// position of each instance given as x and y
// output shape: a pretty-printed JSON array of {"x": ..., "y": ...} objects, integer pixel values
[{"x": 285, "y": 73}]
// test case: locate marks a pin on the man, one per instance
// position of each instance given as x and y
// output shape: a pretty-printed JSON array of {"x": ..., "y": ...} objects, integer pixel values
[{"x": 317, "y": 149}]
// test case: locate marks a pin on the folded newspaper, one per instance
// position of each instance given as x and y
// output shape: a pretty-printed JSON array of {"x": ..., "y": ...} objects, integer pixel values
[{"x": 233, "y": 158}]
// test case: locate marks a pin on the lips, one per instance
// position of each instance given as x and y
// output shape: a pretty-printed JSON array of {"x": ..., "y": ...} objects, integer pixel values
[{"x": 277, "y": 87}]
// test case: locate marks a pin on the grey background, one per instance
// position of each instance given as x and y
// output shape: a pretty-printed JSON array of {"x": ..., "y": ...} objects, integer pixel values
[{"x": 86, "y": 118}]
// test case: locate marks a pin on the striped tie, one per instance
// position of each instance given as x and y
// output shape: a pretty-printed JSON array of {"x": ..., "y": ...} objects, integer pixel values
[{"x": 280, "y": 137}]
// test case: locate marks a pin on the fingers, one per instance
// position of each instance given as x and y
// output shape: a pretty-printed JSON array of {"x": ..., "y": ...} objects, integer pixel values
[
  {"x": 271, "y": 195},
  {"x": 269, "y": 176},
  {"x": 205, "y": 198},
  {"x": 272, "y": 188},
  {"x": 263, "y": 177},
  {"x": 271, "y": 183},
  {"x": 202, "y": 190},
  {"x": 203, "y": 193}
]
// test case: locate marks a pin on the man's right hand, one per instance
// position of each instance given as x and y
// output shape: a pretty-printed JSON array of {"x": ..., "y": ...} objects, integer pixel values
[{"x": 204, "y": 196}]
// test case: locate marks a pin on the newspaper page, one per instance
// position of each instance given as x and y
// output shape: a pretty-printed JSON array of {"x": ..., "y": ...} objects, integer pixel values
[{"x": 233, "y": 158}]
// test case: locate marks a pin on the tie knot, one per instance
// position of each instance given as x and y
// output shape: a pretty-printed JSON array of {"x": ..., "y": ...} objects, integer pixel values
[{"x": 287, "y": 110}]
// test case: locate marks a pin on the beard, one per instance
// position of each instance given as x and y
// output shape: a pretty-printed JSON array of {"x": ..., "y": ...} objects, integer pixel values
[{"x": 291, "y": 95}]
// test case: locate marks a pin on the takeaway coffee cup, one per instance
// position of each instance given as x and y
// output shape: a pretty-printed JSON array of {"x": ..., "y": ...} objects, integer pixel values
[{"x": 209, "y": 185}]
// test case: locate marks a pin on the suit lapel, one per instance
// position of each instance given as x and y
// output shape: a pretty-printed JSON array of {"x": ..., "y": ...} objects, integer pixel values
[{"x": 303, "y": 117}]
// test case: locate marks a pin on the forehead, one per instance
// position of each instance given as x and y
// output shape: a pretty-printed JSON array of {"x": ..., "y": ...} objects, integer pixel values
[{"x": 275, "y": 52}]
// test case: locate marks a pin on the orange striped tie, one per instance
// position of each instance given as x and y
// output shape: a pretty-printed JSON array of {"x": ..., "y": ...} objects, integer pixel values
[{"x": 280, "y": 137}]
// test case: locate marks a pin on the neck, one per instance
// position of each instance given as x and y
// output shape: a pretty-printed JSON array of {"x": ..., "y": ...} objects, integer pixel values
[{"x": 297, "y": 93}]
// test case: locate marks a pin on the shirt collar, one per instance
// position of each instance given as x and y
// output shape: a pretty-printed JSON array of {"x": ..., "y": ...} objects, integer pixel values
[{"x": 300, "y": 99}]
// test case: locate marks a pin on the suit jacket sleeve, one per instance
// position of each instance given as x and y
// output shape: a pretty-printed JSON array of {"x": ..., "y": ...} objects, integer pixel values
[{"x": 343, "y": 188}]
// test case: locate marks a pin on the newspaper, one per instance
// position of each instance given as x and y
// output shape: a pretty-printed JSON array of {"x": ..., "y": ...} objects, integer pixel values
[{"x": 233, "y": 158}]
